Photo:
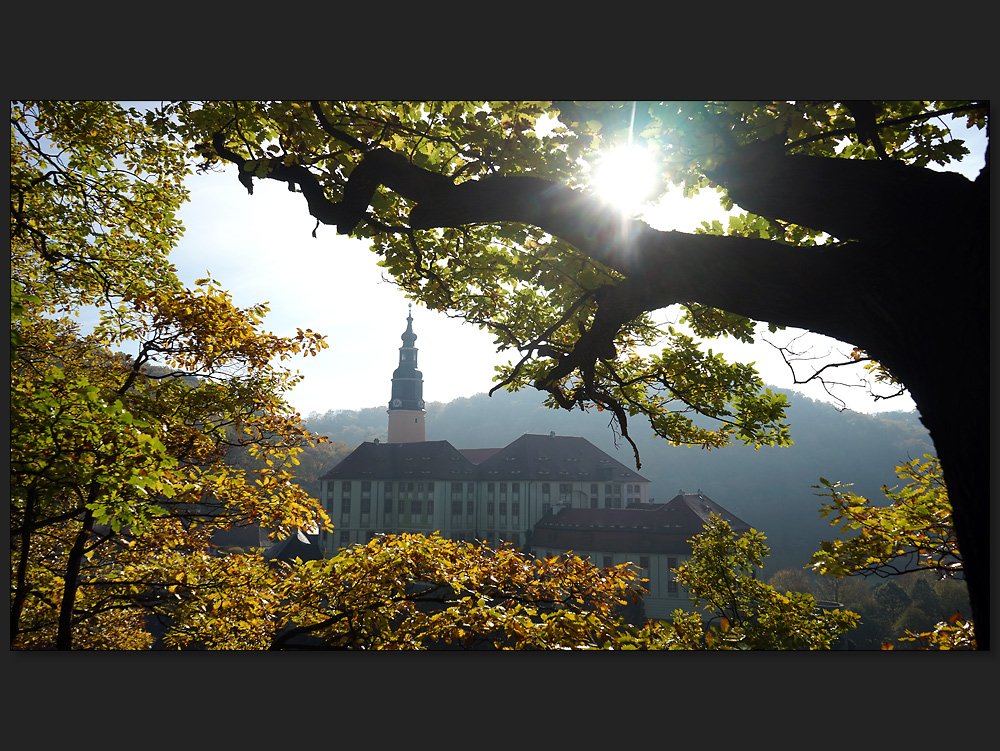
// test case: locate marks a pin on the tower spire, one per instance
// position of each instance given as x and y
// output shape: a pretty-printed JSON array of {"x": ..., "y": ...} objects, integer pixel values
[{"x": 406, "y": 405}]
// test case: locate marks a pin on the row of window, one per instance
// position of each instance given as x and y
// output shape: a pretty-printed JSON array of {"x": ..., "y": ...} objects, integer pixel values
[
  {"x": 416, "y": 505},
  {"x": 610, "y": 489}
]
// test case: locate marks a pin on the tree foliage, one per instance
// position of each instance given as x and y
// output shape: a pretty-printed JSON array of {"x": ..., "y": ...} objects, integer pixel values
[
  {"x": 743, "y": 611},
  {"x": 914, "y": 532},
  {"x": 426, "y": 592},
  {"x": 118, "y": 471},
  {"x": 419, "y": 592}
]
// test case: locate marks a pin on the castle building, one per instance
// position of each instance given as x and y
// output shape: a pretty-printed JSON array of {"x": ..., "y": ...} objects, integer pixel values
[{"x": 409, "y": 484}]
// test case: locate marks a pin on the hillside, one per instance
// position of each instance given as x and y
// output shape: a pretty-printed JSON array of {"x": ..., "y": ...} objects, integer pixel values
[{"x": 770, "y": 488}]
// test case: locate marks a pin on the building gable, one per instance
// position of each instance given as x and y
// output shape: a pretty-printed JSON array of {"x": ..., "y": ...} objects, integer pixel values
[
  {"x": 556, "y": 458},
  {"x": 437, "y": 460}
]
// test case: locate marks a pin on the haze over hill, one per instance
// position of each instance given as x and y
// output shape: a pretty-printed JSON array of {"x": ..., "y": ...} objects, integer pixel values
[{"x": 770, "y": 488}]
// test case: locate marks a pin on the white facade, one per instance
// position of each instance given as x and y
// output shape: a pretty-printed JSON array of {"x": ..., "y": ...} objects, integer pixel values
[{"x": 433, "y": 487}]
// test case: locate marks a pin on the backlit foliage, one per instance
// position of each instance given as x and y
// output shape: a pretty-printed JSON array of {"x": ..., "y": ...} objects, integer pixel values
[
  {"x": 913, "y": 532},
  {"x": 742, "y": 611},
  {"x": 119, "y": 469}
]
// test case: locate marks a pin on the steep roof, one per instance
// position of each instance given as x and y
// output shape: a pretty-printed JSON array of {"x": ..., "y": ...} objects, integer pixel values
[
  {"x": 698, "y": 506},
  {"x": 531, "y": 457},
  {"x": 557, "y": 458},
  {"x": 431, "y": 460},
  {"x": 641, "y": 528},
  {"x": 477, "y": 456}
]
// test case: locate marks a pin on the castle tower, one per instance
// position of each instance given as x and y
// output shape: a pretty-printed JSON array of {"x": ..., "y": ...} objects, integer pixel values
[{"x": 406, "y": 406}]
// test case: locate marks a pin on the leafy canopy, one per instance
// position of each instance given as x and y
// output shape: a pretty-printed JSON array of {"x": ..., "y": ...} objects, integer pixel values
[
  {"x": 120, "y": 463},
  {"x": 743, "y": 611},
  {"x": 913, "y": 532}
]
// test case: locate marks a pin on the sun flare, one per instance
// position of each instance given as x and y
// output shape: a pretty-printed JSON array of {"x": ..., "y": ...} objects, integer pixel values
[{"x": 625, "y": 177}]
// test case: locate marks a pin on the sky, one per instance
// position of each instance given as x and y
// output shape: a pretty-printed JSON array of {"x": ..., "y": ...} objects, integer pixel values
[{"x": 260, "y": 248}]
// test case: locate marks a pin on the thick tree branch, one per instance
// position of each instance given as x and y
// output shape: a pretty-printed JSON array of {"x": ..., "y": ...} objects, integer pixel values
[
  {"x": 868, "y": 200},
  {"x": 320, "y": 206},
  {"x": 848, "y": 198},
  {"x": 334, "y": 131}
]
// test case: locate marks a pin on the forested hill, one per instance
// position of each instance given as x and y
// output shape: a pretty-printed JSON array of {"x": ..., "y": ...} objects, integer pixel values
[{"x": 770, "y": 488}]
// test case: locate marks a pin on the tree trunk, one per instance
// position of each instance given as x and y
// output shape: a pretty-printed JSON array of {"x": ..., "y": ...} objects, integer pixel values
[
  {"x": 21, "y": 577},
  {"x": 64, "y": 634}
]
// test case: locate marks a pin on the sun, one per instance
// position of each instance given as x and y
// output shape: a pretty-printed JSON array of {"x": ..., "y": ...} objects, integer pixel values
[{"x": 625, "y": 177}]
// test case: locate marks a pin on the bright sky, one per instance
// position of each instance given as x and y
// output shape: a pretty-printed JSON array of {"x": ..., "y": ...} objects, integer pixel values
[{"x": 261, "y": 249}]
